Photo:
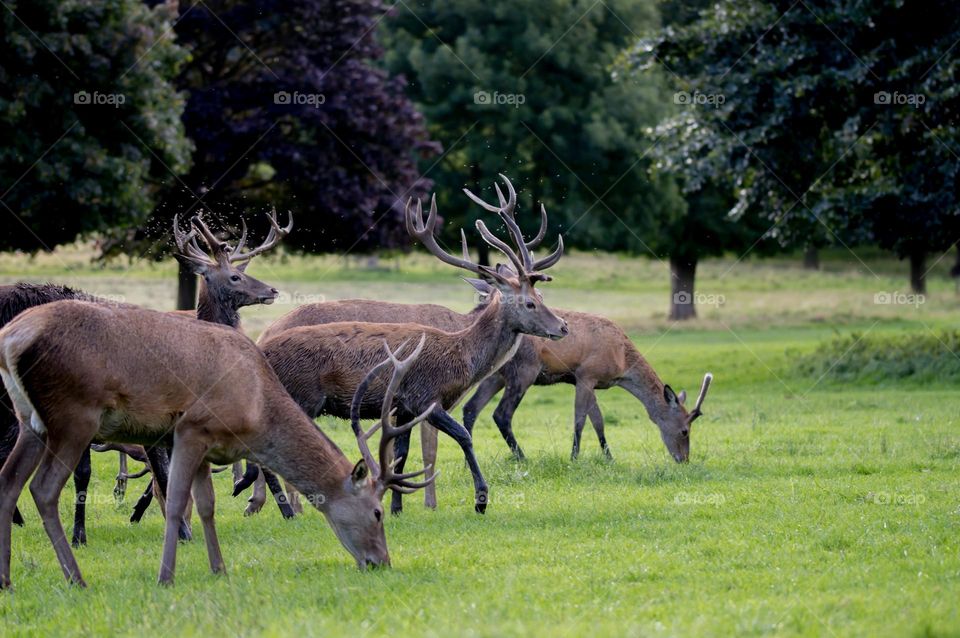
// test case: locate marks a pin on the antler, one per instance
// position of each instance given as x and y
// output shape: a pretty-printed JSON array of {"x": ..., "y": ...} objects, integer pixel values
[
  {"x": 187, "y": 243},
  {"x": 423, "y": 230},
  {"x": 274, "y": 237},
  {"x": 524, "y": 262},
  {"x": 696, "y": 412},
  {"x": 383, "y": 472}
]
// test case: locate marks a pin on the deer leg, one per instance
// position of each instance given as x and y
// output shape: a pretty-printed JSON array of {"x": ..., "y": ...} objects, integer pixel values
[
  {"x": 17, "y": 517},
  {"x": 274, "y": 484},
  {"x": 294, "y": 497},
  {"x": 448, "y": 425},
  {"x": 428, "y": 448},
  {"x": 517, "y": 385},
  {"x": 205, "y": 499},
  {"x": 582, "y": 403},
  {"x": 23, "y": 460},
  {"x": 81, "y": 481},
  {"x": 401, "y": 446},
  {"x": 159, "y": 460},
  {"x": 237, "y": 470},
  {"x": 259, "y": 497},
  {"x": 142, "y": 503},
  {"x": 120, "y": 489},
  {"x": 184, "y": 466},
  {"x": 596, "y": 418},
  {"x": 246, "y": 479},
  {"x": 61, "y": 457},
  {"x": 487, "y": 389}
]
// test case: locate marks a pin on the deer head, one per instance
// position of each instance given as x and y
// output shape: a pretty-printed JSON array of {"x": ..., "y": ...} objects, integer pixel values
[
  {"x": 674, "y": 421},
  {"x": 357, "y": 516},
  {"x": 523, "y": 305},
  {"x": 222, "y": 270}
]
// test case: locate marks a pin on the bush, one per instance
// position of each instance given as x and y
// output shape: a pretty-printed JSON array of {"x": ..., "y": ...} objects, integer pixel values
[{"x": 924, "y": 356}]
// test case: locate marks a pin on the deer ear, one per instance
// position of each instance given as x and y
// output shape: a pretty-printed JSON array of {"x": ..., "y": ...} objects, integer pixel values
[
  {"x": 669, "y": 396},
  {"x": 195, "y": 265},
  {"x": 480, "y": 285},
  {"x": 360, "y": 472},
  {"x": 682, "y": 397}
]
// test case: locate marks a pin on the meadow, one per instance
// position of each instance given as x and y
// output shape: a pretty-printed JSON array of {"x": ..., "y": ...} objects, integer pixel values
[{"x": 811, "y": 505}]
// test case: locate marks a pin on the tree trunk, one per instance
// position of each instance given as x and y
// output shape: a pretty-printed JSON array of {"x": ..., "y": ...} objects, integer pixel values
[
  {"x": 682, "y": 274},
  {"x": 186, "y": 288},
  {"x": 918, "y": 272},
  {"x": 811, "y": 258},
  {"x": 483, "y": 251},
  {"x": 955, "y": 271}
]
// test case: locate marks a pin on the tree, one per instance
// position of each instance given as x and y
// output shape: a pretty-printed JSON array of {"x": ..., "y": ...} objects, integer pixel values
[
  {"x": 287, "y": 107},
  {"x": 77, "y": 112},
  {"x": 525, "y": 89},
  {"x": 834, "y": 119}
]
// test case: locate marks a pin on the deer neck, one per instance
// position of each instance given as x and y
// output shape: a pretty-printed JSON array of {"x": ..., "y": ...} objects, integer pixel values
[
  {"x": 489, "y": 341},
  {"x": 215, "y": 310},
  {"x": 301, "y": 453},
  {"x": 642, "y": 382}
]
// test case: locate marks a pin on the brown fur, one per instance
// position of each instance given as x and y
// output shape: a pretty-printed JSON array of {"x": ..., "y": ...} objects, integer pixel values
[{"x": 92, "y": 372}]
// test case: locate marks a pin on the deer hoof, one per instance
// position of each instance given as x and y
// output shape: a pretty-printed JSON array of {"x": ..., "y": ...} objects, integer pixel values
[
  {"x": 79, "y": 537},
  {"x": 481, "y": 504}
]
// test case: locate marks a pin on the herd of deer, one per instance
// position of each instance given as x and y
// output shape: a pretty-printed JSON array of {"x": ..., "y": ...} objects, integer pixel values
[{"x": 192, "y": 390}]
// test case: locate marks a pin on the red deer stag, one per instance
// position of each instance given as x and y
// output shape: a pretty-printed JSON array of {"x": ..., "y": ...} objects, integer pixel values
[
  {"x": 79, "y": 372},
  {"x": 596, "y": 355},
  {"x": 321, "y": 365}
]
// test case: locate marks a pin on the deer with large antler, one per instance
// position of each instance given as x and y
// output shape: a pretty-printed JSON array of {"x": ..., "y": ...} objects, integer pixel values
[
  {"x": 225, "y": 287},
  {"x": 224, "y": 290},
  {"x": 321, "y": 365},
  {"x": 79, "y": 372}
]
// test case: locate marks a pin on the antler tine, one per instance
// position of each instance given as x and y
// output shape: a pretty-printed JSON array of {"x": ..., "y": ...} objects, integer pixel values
[
  {"x": 695, "y": 412},
  {"x": 213, "y": 243},
  {"x": 552, "y": 258},
  {"x": 242, "y": 241},
  {"x": 363, "y": 437},
  {"x": 502, "y": 246},
  {"x": 388, "y": 477},
  {"x": 187, "y": 242},
  {"x": 274, "y": 237},
  {"x": 534, "y": 243},
  {"x": 423, "y": 231}
]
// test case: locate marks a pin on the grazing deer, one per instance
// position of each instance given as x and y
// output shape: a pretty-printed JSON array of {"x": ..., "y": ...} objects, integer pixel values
[
  {"x": 79, "y": 372},
  {"x": 321, "y": 365},
  {"x": 596, "y": 355}
]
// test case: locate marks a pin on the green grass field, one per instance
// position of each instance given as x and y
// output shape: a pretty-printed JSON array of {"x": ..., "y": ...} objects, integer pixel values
[{"x": 809, "y": 506}]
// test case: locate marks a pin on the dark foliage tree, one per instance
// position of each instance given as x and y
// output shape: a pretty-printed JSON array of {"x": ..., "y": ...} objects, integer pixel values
[
  {"x": 837, "y": 123},
  {"x": 525, "y": 89},
  {"x": 78, "y": 111},
  {"x": 286, "y": 106}
]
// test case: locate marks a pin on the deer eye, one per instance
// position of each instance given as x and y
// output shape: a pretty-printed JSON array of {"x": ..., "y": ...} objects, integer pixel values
[
  {"x": 235, "y": 278},
  {"x": 378, "y": 514},
  {"x": 530, "y": 305}
]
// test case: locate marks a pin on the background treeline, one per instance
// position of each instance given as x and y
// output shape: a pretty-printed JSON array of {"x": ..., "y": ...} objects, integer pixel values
[{"x": 672, "y": 130}]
